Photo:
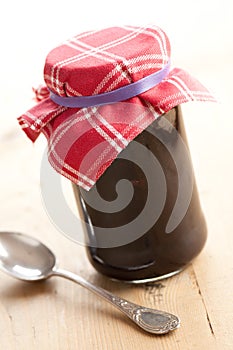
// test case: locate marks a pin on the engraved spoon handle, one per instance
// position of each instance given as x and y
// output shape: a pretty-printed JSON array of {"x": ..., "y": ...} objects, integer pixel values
[{"x": 151, "y": 320}]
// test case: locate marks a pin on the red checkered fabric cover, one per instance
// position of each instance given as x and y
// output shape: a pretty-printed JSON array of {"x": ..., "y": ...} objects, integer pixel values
[{"x": 83, "y": 142}]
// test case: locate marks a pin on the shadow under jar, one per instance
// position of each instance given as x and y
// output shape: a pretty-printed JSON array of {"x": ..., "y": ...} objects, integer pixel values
[{"x": 154, "y": 254}]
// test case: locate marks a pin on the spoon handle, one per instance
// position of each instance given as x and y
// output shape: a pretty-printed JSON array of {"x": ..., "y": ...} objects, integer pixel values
[{"x": 151, "y": 320}]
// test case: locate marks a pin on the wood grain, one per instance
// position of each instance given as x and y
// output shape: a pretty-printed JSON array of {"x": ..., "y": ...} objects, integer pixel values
[{"x": 60, "y": 315}]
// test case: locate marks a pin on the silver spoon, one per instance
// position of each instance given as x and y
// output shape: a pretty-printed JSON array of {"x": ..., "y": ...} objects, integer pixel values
[{"x": 27, "y": 259}]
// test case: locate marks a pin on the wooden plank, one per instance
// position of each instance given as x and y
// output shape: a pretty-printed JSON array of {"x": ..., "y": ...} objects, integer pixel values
[{"x": 61, "y": 315}]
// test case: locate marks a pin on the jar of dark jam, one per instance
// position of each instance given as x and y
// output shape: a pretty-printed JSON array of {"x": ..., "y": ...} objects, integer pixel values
[{"x": 155, "y": 254}]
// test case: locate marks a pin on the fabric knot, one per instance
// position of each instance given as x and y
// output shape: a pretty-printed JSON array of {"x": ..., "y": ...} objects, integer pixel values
[{"x": 41, "y": 92}]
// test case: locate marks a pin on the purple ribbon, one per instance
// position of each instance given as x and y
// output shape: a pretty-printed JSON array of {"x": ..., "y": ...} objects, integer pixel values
[{"x": 121, "y": 94}]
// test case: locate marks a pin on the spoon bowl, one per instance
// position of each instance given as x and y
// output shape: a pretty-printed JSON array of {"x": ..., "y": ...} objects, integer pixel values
[
  {"x": 28, "y": 259},
  {"x": 24, "y": 257}
]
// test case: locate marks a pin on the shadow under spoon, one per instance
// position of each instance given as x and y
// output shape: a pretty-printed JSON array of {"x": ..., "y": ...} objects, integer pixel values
[{"x": 28, "y": 259}]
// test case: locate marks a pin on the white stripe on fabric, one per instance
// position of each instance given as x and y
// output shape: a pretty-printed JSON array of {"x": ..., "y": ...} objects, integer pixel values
[
  {"x": 100, "y": 160},
  {"x": 33, "y": 118},
  {"x": 24, "y": 125},
  {"x": 47, "y": 77},
  {"x": 46, "y": 131},
  {"x": 68, "y": 176},
  {"x": 99, "y": 49},
  {"x": 52, "y": 144},
  {"x": 152, "y": 109},
  {"x": 71, "y": 92},
  {"x": 159, "y": 39},
  {"x": 102, "y": 156},
  {"x": 145, "y": 66},
  {"x": 108, "y": 77},
  {"x": 110, "y": 127},
  {"x": 168, "y": 98},
  {"x": 108, "y": 149},
  {"x": 139, "y": 31},
  {"x": 164, "y": 41},
  {"x": 184, "y": 92},
  {"x": 146, "y": 57},
  {"x": 185, "y": 87},
  {"x": 130, "y": 62},
  {"x": 126, "y": 63},
  {"x": 104, "y": 135},
  {"x": 68, "y": 167},
  {"x": 203, "y": 97},
  {"x": 40, "y": 120},
  {"x": 66, "y": 125},
  {"x": 204, "y": 93},
  {"x": 94, "y": 166},
  {"x": 130, "y": 126},
  {"x": 97, "y": 55},
  {"x": 106, "y": 46},
  {"x": 176, "y": 103},
  {"x": 115, "y": 83},
  {"x": 137, "y": 121}
]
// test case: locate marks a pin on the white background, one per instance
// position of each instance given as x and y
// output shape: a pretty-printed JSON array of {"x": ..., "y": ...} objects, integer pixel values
[{"x": 200, "y": 33}]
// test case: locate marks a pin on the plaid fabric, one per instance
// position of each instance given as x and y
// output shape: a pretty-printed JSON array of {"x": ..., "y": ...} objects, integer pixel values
[{"x": 82, "y": 143}]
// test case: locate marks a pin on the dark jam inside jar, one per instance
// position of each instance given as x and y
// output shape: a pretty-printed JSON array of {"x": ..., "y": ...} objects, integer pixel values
[{"x": 155, "y": 253}]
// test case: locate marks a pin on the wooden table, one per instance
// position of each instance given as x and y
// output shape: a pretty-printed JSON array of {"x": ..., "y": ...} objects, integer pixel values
[{"x": 60, "y": 315}]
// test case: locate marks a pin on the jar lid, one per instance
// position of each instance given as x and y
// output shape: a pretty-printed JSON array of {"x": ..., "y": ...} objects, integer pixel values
[{"x": 102, "y": 89}]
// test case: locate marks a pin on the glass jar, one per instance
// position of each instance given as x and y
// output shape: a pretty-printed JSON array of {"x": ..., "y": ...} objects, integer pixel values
[{"x": 156, "y": 253}]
